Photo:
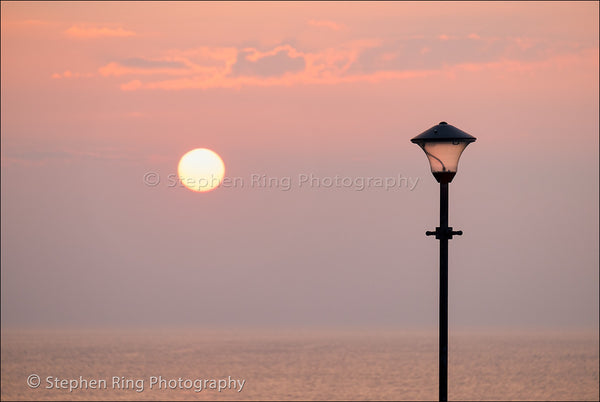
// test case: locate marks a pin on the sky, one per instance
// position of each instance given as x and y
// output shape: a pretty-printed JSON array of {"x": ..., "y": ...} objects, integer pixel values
[{"x": 312, "y": 107}]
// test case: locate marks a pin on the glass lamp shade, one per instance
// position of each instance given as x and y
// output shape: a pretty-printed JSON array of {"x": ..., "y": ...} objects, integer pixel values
[{"x": 443, "y": 144}]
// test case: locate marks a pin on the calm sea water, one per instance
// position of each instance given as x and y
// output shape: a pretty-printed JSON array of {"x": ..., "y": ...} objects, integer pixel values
[{"x": 324, "y": 365}]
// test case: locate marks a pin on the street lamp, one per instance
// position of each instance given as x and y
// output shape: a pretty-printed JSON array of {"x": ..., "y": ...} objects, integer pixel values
[{"x": 443, "y": 144}]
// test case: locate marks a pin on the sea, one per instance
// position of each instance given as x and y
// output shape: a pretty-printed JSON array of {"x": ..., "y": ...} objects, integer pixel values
[{"x": 296, "y": 364}]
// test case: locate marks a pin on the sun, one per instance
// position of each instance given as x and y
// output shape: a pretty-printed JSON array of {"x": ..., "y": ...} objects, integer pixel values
[{"x": 201, "y": 170}]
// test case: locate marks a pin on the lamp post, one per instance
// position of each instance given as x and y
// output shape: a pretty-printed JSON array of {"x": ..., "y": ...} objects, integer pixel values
[{"x": 443, "y": 144}]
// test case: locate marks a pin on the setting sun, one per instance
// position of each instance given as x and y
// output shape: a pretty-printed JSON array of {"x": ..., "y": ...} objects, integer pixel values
[{"x": 201, "y": 170}]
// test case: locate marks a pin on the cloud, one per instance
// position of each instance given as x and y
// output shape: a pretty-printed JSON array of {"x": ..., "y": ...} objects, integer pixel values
[
  {"x": 118, "y": 69},
  {"x": 203, "y": 61},
  {"x": 306, "y": 78},
  {"x": 327, "y": 24},
  {"x": 132, "y": 85},
  {"x": 281, "y": 60},
  {"x": 431, "y": 52},
  {"x": 363, "y": 60},
  {"x": 281, "y": 65},
  {"x": 286, "y": 80},
  {"x": 69, "y": 74},
  {"x": 149, "y": 63},
  {"x": 80, "y": 31},
  {"x": 332, "y": 62}
]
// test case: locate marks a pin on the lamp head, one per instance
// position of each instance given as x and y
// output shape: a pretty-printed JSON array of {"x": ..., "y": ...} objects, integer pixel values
[{"x": 443, "y": 144}]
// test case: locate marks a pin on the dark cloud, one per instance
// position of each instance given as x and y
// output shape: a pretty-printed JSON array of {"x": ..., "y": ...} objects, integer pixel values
[
  {"x": 268, "y": 66},
  {"x": 435, "y": 52},
  {"x": 146, "y": 63}
]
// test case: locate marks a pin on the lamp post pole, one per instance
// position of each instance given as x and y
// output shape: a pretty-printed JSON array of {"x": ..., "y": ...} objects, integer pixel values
[
  {"x": 443, "y": 293},
  {"x": 443, "y": 144},
  {"x": 443, "y": 233}
]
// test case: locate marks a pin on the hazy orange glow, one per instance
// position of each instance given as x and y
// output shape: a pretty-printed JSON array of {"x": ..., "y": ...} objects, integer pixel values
[{"x": 98, "y": 95}]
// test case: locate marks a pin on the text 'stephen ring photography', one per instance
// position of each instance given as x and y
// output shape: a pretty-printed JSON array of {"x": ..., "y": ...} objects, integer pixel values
[{"x": 227, "y": 201}]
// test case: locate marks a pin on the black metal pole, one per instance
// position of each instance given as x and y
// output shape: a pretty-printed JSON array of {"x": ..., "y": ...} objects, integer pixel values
[
  {"x": 444, "y": 233},
  {"x": 443, "y": 237}
]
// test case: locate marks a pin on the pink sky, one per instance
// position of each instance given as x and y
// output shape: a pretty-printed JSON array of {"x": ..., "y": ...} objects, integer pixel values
[{"x": 96, "y": 95}]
